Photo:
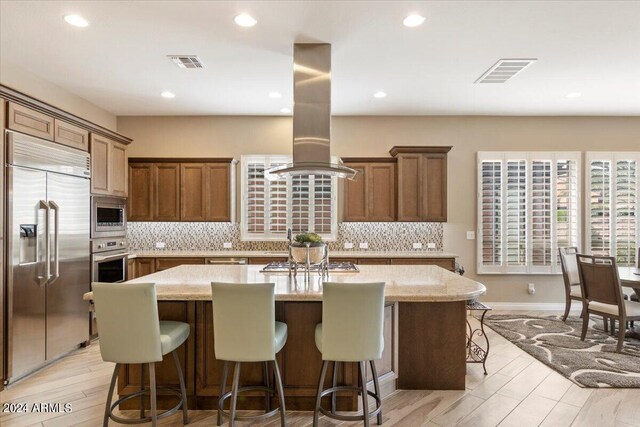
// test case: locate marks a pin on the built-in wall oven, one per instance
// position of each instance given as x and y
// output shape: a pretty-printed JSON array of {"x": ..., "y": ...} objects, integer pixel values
[{"x": 108, "y": 217}]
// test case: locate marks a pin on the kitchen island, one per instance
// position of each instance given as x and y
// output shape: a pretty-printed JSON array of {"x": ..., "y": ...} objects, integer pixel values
[{"x": 424, "y": 331}]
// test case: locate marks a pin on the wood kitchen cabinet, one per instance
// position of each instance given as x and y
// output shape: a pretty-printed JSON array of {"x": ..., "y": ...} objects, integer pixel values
[
  {"x": 181, "y": 190},
  {"x": 422, "y": 183},
  {"x": 372, "y": 197},
  {"x": 27, "y": 120},
  {"x": 70, "y": 135},
  {"x": 108, "y": 167}
]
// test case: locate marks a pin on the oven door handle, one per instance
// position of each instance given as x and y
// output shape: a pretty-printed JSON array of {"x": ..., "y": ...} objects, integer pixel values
[{"x": 101, "y": 258}]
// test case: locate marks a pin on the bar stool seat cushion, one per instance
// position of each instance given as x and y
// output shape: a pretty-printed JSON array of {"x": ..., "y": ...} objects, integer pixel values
[
  {"x": 632, "y": 308},
  {"x": 172, "y": 335},
  {"x": 281, "y": 335},
  {"x": 576, "y": 291}
]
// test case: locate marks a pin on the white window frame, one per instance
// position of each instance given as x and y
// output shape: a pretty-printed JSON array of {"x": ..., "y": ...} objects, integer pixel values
[
  {"x": 528, "y": 157},
  {"x": 267, "y": 235},
  {"x": 612, "y": 157}
]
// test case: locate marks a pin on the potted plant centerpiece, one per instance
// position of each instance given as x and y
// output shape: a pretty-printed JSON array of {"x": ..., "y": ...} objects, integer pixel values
[{"x": 308, "y": 243}]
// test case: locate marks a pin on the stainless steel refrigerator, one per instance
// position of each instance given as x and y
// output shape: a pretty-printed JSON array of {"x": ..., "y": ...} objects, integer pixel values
[{"x": 48, "y": 207}]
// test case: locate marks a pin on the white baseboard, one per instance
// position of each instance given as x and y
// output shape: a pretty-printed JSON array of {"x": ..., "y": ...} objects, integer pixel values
[{"x": 576, "y": 306}]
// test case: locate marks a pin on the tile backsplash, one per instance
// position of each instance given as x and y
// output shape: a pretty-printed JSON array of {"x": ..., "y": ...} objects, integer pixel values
[{"x": 380, "y": 236}]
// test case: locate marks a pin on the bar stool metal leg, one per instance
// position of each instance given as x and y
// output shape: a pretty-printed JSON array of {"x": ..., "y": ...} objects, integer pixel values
[
  {"x": 365, "y": 401},
  {"x": 234, "y": 394},
  {"x": 112, "y": 386},
  {"x": 376, "y": 387},
  {"x": 283, "y": 411},
  {"x": 316, "y": 410},
  {"x": 334, "y": 383},
  {"x": 142, "y": 381},
  {"x": 223, "y": 384},
  {"x": 154, "y": 404},
  {"x": 183, "y": 390},
  {"x": 267, "y": 382}
]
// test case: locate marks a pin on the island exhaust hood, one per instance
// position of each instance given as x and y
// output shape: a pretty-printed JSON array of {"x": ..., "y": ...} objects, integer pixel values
[{"x": 311, "y": 116}]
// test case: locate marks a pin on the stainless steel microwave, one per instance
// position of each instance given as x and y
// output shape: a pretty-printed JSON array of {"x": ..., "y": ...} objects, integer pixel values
[{"x": 108, "y": 217}]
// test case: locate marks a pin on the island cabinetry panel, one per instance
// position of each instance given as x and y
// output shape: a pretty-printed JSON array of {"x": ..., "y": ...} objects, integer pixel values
[
  {"x": 372, "y": 196},
  {"x": 108, "y": 167},
  {"x": 71, "y": 135},
  {"x": 422, "y": 183},
  {"x": 129, "y": 379},
  {"x": 26, "y": 120},
  {"x": 181, "y": 190}
]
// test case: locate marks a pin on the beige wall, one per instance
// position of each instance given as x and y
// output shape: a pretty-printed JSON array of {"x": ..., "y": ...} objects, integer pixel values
[
  {"x": 26, "y": 82},
  {"x": 373, "y": 136}
]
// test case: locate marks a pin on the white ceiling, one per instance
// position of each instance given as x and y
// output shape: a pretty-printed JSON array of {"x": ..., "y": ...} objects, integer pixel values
[{"x": 119, "y": 62}]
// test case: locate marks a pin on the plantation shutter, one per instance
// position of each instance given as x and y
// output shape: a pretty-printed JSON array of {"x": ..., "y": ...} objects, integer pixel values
[
  {"x": 613, "y": 188},
  {"x": 527, "y": 209}
]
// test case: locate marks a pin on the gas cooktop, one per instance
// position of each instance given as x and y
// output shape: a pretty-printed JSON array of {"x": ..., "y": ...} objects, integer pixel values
[{"x": 334, "y": 267}]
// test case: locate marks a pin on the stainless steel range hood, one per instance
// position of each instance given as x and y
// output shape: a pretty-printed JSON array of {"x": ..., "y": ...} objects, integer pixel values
[{"x": 311, "y": 116}]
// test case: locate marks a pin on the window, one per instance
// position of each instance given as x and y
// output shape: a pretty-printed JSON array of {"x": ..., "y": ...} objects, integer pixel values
[
  {"x": 302, "y": 203},
  {"x": 612, "y": 205},
  {"x": 528, "y": 207}
]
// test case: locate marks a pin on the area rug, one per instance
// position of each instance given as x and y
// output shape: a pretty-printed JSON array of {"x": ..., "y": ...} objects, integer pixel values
[{"x": 593, "y": 363}]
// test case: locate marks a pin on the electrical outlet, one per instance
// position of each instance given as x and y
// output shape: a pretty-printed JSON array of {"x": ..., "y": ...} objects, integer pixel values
[
  {"x": 363, "y": 245},
  {"x": 348, "y": 245},
  {"x": 431, "y": 245},
  {"x": 471, "y": 235},
  {"x": 417, "y": 245},
  {"x": 160, "y": 245},
  {"x": 227, "y": 245},
  {"x": 531, "y": 288}
]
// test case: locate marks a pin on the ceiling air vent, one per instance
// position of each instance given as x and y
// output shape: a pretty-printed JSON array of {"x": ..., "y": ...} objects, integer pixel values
[
  {"x": 504, "y": 70},
  {"x": 186, "y": 61}
]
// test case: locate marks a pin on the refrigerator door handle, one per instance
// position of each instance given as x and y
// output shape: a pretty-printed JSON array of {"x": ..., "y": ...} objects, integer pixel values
[
  {"x": 56, "y": 244},
  {"x": 42, "y": 205}
]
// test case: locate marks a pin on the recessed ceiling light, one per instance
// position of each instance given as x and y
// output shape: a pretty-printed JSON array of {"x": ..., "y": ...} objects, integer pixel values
[
  {"x": 275, "y": 95},
  {"x": 285, "y": 110},
  {"x": 76, "y": 21},
  {"x": 574, "y": 95},
  {"x": 245, "y": 20},
  {"x": 413, "y": 20},
  {"x": 167, "y": 94},
  {"x": 380, "y": 94}
]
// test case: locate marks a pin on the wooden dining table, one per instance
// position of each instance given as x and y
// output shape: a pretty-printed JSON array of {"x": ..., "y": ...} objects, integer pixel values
[{"x": 630, "y": 278}]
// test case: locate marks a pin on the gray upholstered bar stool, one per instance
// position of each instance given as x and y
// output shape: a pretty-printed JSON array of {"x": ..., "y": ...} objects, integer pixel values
[
  {"x": 245, "y": 330},
  {"x": 351, "y": 331},
  {"x": 130, "y": 333}
]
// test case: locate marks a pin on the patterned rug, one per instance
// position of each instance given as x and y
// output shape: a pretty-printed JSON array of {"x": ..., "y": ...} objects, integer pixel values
[{"x": 593, "y": 363}]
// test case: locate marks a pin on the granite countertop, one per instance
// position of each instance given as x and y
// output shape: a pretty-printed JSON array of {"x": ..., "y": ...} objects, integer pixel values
[
  {"x": 249, "y": 254},
  {"x": 404, "y": 283}
]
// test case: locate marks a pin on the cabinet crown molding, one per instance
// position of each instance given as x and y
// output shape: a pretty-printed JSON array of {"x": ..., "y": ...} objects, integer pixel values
[
  {"x": 182, "y": 160},
  {"x": 400, "y": 149}
]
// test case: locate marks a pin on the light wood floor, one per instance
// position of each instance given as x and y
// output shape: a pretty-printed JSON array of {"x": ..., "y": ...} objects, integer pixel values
[{"x": 519, "y": 391}]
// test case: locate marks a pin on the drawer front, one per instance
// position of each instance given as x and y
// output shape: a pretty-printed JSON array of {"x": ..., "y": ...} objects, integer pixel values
[
  {"x": 71, "y": 135},
  {"x": 448, "y": 263},
  {"x": 166, "y": 263},
  {"x": 32, "y": 122},
  {"x": 266, "y": 260},
  {"x": 373, "y": 261}
]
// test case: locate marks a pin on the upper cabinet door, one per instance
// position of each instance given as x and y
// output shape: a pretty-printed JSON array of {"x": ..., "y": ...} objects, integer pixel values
[
  {"x": 166, "y": 192},
  {"x": 192, "y": 192},
  {"x": 435, "y": 187},
  {"x": 118, "y": 169},
  {"x": 356, "y": 194},
  {"x": 32, "y": 122},
  {"x": 219, "y": 196},
  {"x": 140, "y": 201},
  {"x": 100, "y": 148},
  {"x": 410, "y": 187},
  {"x": 71, "y": 135},
  {"x": 381, "y": 181}
]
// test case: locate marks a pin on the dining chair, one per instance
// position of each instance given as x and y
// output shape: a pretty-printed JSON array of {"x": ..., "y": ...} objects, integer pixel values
[
  {"x": 602, "y": 294},
  {"x": 572, "y": 290}
]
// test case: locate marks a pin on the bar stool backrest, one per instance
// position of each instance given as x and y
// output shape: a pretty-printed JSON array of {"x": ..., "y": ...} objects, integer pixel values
[
  {"x": 127, "y": 316},
  {"x": 244, "y": 321},
  {"x": 599, "y": 280},
  {"x": 352, "y": 321},
  {"x": 569, "y": 264}
]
